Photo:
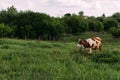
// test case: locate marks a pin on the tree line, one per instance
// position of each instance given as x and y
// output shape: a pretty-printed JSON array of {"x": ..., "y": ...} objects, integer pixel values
[{"x": 35, "y": 25}]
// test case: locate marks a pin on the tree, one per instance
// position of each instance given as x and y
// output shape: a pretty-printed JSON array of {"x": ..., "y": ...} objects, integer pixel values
[
  {"x": 23, "y": 24},
  {"x": 116, "y": 16},
  {"x": 56, "y": 29},
  {"x": 12, "y": 10},
  {"x": 110, "y": 22},
  {"x": 103, "y": 15},
  {"x": 5, "y": 30},
  {"x": 26, "y": 31},
  {"x": 67, "y": 14},
  {"x": 8, "y": 16},
  {"x": 95, "y": 25},
  {"x": 75, "y": 24},
  {"x": 81, "y": 13},
  {"x": 101, "y": 19},
  {"x": 99, "y": 26},
  {"x": 115, "y": 32}
]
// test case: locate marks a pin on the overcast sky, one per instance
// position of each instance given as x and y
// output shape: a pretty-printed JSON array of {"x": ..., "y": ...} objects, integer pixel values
[{"x": 60, "y": 7}]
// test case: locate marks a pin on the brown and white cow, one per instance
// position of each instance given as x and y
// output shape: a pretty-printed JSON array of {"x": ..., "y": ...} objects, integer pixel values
[{"x": 93, "y": 43}]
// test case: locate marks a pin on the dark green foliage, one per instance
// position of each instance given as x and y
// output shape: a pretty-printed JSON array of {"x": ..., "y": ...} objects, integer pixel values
[
  {"x": 8, "y": 16},
  {"x": 81, "y": 13},
  {"x": 95, "y": 25},
  {"x": 55, "y": 28},
  {"x": 67, "y": 14},
  {"x": 5, "y": 30},
  {"x": 110, "y": 22},
  {"x": 35, "y": 25},
  {"x": 31, "y": 25},
  {"x": 101, "y": 19},
  {"x": 116, "y": 16},
  {"x": 75, "y": 24},
  {"x": 115, "y": 32}
]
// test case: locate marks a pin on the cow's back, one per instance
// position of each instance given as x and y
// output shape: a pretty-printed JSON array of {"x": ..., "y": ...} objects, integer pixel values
[
  {"x": 96, "y": 39},
  {"x": 94, "y": 42}
]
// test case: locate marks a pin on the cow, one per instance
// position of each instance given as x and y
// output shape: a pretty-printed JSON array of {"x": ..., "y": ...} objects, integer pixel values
[{"x": 93, "y": 43}]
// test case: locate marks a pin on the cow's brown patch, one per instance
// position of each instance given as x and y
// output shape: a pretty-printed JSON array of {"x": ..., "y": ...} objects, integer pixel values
[
  {"x": 93, "y": 38},
  {"x": 97, "y": 42},
  {"x": 92, "y": 45},
  {"x": 98, "y": 39},
  {"x": 95, "y": 48},
  {"x": 85, "y": 43}
]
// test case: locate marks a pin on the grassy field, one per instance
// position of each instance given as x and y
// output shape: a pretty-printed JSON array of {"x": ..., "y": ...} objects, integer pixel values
[{"x": 50, "y": 60}]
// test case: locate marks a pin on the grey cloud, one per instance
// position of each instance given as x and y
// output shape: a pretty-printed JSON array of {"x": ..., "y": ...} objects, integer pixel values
[{"x": 60, "y": 7}]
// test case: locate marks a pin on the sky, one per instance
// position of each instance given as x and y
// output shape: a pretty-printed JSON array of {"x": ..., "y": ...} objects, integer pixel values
[{"x": 58, "y": 8}]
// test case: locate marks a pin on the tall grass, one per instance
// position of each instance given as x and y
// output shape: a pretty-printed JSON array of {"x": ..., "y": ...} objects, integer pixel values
[{"x": 47, "y": 60}]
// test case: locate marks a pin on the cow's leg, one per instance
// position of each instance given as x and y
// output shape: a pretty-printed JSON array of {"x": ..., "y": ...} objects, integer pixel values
[
  {"x": 89, "y": 50},
  {"x": 100, "y": 47}
]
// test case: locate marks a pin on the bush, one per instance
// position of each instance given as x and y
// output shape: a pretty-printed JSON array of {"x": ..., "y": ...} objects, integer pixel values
[
  {"x": 95, "y": 25},
  {"x": 75, "y": 24},
  {"x": 115, "y": 32},
  {"x": 109, "y": 22},
  {"x": 5, "y": 30}
]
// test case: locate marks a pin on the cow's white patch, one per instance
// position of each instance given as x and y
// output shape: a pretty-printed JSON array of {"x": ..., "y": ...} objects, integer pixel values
[
  {"x": 89, "y": 50},
  {"x": 98, "y": 38},
  {"x": 78, "y": 45},
  {"x": 90, "y": 41}
]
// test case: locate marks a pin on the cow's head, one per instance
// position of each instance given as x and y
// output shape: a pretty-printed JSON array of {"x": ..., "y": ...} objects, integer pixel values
[{"x": 79, "y": 44}]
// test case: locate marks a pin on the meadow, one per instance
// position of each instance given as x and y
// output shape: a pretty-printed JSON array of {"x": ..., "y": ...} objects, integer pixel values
[{"x": 59, "y": 60}]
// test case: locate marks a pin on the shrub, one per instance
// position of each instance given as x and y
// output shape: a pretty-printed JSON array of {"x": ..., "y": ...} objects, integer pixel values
[
  {"x": 109, "y": 22},
  {"x": 75, "y": 24},
  {"x": 95, "y": 25},
  {"x": 115, "y": 32},
  {"x": 5, "y": 30}
]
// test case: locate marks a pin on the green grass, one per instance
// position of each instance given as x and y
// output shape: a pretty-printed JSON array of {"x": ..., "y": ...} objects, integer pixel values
[{"x": 50, "y": 60}]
